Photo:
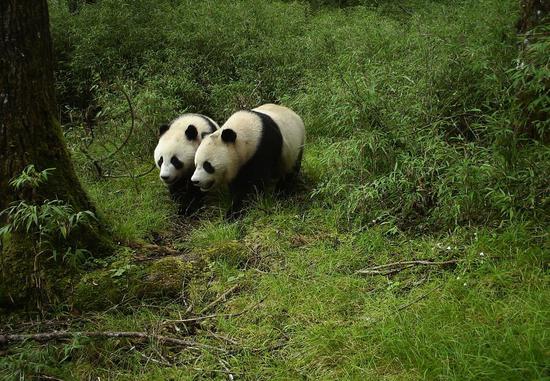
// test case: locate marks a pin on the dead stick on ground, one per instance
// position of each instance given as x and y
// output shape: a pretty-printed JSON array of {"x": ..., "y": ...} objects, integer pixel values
[
  {"x": 60, "y": 335},
  {"x": 399, "y": 266},
  {"x": 383, "y": 272},
  {"x": 402, "y": 307},
  {"x": 219, "y": 299},
  {"x": 200, "y": 318}
]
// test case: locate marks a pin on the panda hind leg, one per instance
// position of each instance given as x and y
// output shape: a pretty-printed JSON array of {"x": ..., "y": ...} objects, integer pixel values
[{"x": 289, "y": 183}]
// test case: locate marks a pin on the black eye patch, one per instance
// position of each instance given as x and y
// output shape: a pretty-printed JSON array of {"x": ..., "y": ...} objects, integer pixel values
[
  {"x": 160, "y": 161},
  {"x": 208, "y": 167},
  {"x": 176, "y": 163}
]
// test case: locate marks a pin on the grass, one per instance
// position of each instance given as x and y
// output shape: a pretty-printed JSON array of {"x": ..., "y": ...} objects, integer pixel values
[{"x": 417, "y": 148}]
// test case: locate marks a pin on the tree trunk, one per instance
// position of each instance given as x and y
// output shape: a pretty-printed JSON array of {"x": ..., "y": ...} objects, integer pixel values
[{"x": 29, "y": 130}]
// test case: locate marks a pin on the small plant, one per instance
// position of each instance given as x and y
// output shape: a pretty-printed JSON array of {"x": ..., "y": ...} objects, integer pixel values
[
  {"x": 31, "y": 177},
  {"x": 530, "y": 83},
  {"x": 47, "y": 224}
]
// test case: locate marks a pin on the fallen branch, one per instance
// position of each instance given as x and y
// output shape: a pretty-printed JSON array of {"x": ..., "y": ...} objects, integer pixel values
[
  {"x": 206, "y": 317},
  {"x": 383, "y": 272},
  {"x": 46, "y": 377},
  {"x": 131, "y": 176},
  {"x": 62, "y": 335},
  {"x": 219, "y": 299},
  {"x": 132, "y": 126},
  {"x": 402, "y": 307},
  {"x": 395, "y": 267}
]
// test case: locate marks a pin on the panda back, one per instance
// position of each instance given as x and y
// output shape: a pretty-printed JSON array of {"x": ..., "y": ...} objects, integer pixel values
[{"x": 292, "y": 131}]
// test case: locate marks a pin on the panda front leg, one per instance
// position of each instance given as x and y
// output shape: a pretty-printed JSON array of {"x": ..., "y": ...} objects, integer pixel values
[
  {"x": 192, "y": 201},
  {"x": 235, "y": 210},
  {"x": 286, "y": 185},
  {"x": 239, "y": 192},
  {"x": 188, "y": 197}
]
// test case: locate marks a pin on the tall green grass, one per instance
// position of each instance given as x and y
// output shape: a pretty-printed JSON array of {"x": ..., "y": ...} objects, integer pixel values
[
  {"x": 409, "y": 109},
  {"x": 425, "y": 140}
]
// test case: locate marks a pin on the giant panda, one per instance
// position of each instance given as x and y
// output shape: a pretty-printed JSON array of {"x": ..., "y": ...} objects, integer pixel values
[
  {"x": 252, "y": 148},
  {"x": 175, "y": 157}
]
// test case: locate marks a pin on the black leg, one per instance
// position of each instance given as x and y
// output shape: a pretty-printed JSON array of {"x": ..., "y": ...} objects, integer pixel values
[
  {"x": 239, "y": 193},
  {"x": 192, "y": 202},
  {"x": 288, "y": 184},
  {"x": 188, "y": 197}
]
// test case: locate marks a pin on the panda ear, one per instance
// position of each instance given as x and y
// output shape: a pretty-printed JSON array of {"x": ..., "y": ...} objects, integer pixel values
[
  {"x": 163, "y": 128},
  {"x": 191, "y": 132},
  {"x": 228, "y": 135}
]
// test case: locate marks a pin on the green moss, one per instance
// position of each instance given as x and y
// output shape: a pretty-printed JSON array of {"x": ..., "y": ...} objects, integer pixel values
[
  {"x": 98, "y": 290},
  {"x": 13, "y": 282},
  {"x": 233, "y": 252},
  {"x": 124, "y": 280},
  {"x": 167, "y": 277},
  {"x": 28, "y": 280}
]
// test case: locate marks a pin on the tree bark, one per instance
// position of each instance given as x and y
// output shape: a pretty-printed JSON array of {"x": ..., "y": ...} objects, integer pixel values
[{"x": 29, "y": 130}]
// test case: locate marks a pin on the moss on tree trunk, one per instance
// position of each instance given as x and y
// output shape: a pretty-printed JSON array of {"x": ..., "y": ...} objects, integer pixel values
[{"x": 31, "y": 134}]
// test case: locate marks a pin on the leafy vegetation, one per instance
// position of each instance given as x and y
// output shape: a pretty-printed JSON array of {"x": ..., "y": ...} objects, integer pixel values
[
  {"x": 47, "y": 224},
  {"x": 426, "y": 135}
]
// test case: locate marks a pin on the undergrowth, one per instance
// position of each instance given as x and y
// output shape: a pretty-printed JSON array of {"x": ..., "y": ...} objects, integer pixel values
[{"x": 426, "y": 139}]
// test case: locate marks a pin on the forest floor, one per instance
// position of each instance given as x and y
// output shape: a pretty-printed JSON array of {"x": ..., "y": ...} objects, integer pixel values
[{"x": 417, "y": 247}]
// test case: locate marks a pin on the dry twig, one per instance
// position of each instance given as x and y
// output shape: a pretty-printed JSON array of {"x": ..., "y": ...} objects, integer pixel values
[
  {"x": 406, "y": 305},
  {"x": 62, "y": 335},
  {"x": 130, "y": 132},
  {"x": 396, "y": 267},
  {"x": 219, "y": 299},
  {"x": 206, "y": 317},
  {"x": 132, "y": 176}
]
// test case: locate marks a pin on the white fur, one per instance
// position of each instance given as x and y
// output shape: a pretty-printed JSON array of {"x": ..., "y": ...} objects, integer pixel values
[
  {"x": 293, "y": 131},
  {"x": 227, "y": 159},
  {"x": 174, "y": 143}
]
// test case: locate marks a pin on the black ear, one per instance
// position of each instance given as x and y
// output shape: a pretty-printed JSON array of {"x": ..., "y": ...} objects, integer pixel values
[
  {"x": 191, "y": 132},
  {"x": 228, "y": 135},
  {"x": 163, "y": 128}
]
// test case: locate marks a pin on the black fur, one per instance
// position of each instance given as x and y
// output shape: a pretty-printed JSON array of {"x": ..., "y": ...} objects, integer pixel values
[
  {"x": 176, "y": 162},
  {"x": 229, "y": 136},
  {"x": 191, "y": 132},
  {"x": 287, "y": 184},
  {"x": 163, "y": 128},
  {"x": 188, "y": 197},
  {"x": 262, "y": 167}
]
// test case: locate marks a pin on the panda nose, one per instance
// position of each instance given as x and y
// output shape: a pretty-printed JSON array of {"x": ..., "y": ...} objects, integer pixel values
[
  {"x": 165, "y": 177},
  {"x": 195, "y": 182}
]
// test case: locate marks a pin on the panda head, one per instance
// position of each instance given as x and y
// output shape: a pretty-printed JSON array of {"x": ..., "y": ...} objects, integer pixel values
[
  {"x": 216, "y": 160},
  {"x": 178, "y": 142}
]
